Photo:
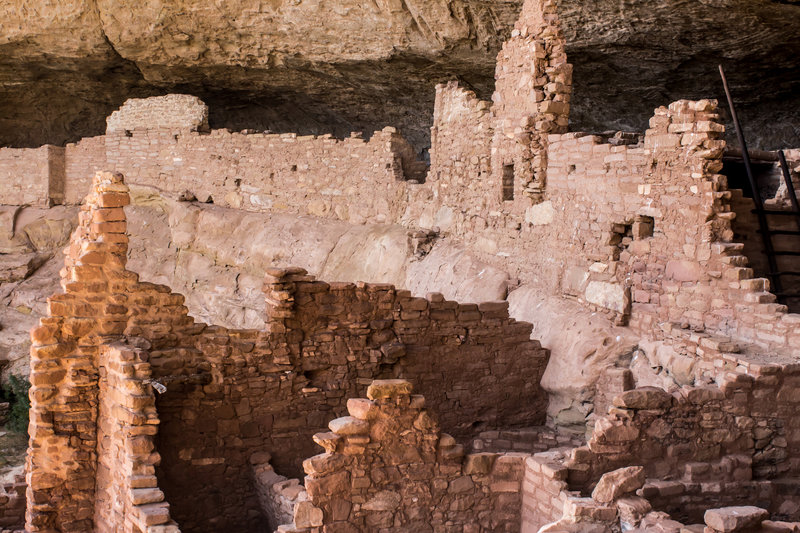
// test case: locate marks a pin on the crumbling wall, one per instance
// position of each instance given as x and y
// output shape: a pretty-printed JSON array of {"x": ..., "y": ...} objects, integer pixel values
[
  {"x": 231, "y": 395},
  {"x": 531, "y": 99},
  {"x": 326, "y": 341},
  {"x": 100, "y": 299},
  {"x": 12, "y": 504},
  {"x": 636, "y": 227},
  {"x": 171, "y": 112},
  {"x": 387, "y": 466},
  {"x": 697, "y": 449}
]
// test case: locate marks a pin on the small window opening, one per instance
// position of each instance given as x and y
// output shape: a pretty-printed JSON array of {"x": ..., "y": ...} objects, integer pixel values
[
  {"x": 508, "y": 183},
  {"x": 621, "y": 238},
  {"x": 643, "y": 227}
]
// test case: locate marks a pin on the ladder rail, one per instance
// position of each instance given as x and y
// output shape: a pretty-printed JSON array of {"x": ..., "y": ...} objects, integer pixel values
[
  {"x": 762, "y": 218},
  {"x": 787, "y": 179}
]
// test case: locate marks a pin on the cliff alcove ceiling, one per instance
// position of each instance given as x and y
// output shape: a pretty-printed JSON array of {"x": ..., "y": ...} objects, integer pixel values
[{"x": 314, "y": 66}]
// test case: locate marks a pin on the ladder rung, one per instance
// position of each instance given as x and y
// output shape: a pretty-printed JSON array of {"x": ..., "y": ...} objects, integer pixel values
[
  {"x": 788, "y": 294},
  {"x": 776, "y": 212},
  {"x": 785, "y": 273},
  {"x": 786, "y": 252},
  {"x": 781, "y": 231}
]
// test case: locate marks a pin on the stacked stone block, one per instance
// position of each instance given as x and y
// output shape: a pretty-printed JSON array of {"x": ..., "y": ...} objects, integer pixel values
[
  {"x": 531, "y": 98},
  {"x": 676, "y": 455},
  {"x": 63, "y": 418},
  {"x": 12, "y": 505},
  {"x": 127, "y": 497},
  {"x": 388, "y": 467},
  {"x": 172, "y": 112},
  {"x": 101, "y": 303}
]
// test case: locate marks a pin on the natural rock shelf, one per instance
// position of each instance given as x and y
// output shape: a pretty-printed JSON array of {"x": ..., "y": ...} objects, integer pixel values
[{"x": 312, "y": 67}]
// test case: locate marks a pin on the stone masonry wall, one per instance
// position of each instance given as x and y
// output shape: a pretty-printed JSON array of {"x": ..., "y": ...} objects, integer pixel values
[
  {"x": 127, "y": 497},
  {"x": 387, "y": 467},
  {"x": 697, "y": 449},
  {"x": 82, "y": 161},
  {"x": 271, "y": 391},
  {"x": 531, "y": 98},
  {"x": 32, "y": 176},
  {"x": 100, "y": 298},
  {"x": 639, "y": 230},
  {"x": 352, "y": 179},
  {"x": 173, "y": 111},
  {"x": 604, "y": 195},
  {"x": 231, "y": 395},
  {"x": 12, "y": 504}
]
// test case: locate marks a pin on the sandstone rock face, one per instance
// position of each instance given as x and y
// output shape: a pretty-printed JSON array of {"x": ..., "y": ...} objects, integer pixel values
[
  {"x": 311, "y": 67},
  {"x": 582, "y": 345}
]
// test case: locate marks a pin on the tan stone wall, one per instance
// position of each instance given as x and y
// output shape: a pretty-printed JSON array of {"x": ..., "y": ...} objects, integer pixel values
[
  {"x": 604, "y": 194},
  {"x": 639, "y": 230},
  {"x": 531, "y": 99},
  {"x": 352, "y": 180},
  {"x": 32, "y": 176},
  {"x": 388, "y": 467},
  {"x": 172, "y": 112},
  {"x": 83, "y": 160}
]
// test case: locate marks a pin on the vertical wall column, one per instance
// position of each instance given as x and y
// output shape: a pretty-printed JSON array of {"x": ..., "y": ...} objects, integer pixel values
[
  {"x": 531, "y": 100},
  {"x": 64, "y": 363},
  {"x": 127, "y": 497}
]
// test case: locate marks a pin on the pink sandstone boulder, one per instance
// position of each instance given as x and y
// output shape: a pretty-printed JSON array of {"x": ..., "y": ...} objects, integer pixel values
[
  {"x": 644, "y": 398},
  {"x": 729, "y": 519},
  {"x": 618, "y": 483},
  {"x": 388, "y": 388}
]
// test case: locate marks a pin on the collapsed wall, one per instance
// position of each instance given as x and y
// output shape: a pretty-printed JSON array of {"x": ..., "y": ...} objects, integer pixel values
[{"x": 98, "y": 432}]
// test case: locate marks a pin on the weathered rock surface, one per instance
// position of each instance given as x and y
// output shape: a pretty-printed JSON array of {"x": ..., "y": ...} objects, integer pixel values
[
  {"x": 735, "y": 518},
  {"x": 309, "y": 66},
  {"x": 618, "y": 483},
  {"x": 582, "y": 344}
]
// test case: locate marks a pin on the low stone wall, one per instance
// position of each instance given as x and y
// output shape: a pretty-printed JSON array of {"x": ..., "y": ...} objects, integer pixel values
[
  {"x": 277, "y": 494},
  {"x": 12, "y": 504}
]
